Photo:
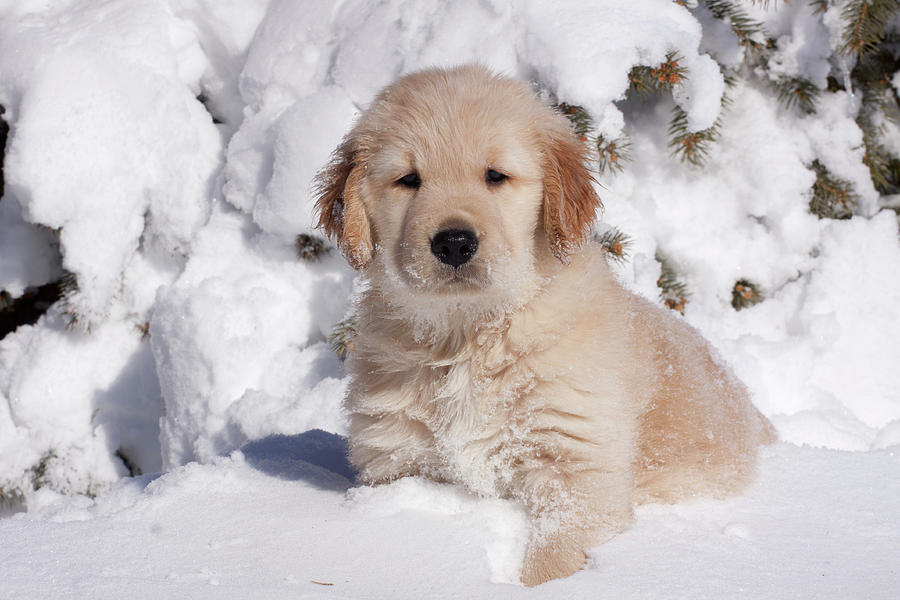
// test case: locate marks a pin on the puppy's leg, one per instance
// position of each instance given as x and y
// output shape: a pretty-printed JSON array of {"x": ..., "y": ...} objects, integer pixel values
[
  {"x": 574, "y": 505},
  {"x": 390, "y": 446}
]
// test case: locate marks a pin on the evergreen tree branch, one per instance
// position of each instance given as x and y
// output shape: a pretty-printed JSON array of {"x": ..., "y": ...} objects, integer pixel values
[{"x": 865, "y": 24}]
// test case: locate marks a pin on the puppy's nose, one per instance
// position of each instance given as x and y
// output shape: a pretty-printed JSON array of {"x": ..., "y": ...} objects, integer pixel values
[{"x": 454, "y": 246}]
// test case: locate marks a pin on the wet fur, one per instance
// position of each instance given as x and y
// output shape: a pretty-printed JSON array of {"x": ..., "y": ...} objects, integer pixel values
[{"x": 529, "y": 373}]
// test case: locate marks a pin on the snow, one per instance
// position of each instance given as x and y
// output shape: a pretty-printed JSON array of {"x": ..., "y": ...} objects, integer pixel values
[
  {"x": 194, "y": 347},
  {"x": 817, "y": 523}
]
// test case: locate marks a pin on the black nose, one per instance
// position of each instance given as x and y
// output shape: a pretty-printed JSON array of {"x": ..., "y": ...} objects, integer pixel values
[{"x": 454, "y": 246}]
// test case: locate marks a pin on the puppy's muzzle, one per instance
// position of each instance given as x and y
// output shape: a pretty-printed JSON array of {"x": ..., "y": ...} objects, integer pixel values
[{"x": 454, "y": 247}]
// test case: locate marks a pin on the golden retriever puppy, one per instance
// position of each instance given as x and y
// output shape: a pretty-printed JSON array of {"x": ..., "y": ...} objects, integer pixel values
[{"x": 494, "y": 348}]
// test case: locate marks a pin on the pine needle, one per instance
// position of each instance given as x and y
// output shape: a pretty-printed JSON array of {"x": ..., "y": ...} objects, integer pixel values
[
  {"x": 615, "y": 243},
  {"x": 747, "y": 30},
  {"x": 582, "y": 123},
  {"x": 648, "y": 81},
  {"x": 832, "y": 197},
  {"x": 690, "y": 146},
  {"x": 865, "y": 22},
  {"x": 341, "y": 337},
  {"x": 672, "y": 291},
  {"x": 612, "y": 154},
  {"x": 310, "y": 247},
  {"x": 745, "y": 294},
  {"x": 797, "y": 92}
]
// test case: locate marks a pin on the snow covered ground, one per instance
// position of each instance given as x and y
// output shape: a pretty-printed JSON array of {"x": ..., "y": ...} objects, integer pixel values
[
  {"x": 193, "y": 343},
  {"x": 817, "y": 524}
]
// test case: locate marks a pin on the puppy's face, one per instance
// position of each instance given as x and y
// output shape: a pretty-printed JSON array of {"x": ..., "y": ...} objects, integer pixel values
[{"x": 457, "y": 183}]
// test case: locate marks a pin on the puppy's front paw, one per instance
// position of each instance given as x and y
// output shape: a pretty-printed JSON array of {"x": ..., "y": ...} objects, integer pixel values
[{"x": 556, "y": 557}]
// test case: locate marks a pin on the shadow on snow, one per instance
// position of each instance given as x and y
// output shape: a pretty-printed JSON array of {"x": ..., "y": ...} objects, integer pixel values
[{"x": 315, "y": 456}]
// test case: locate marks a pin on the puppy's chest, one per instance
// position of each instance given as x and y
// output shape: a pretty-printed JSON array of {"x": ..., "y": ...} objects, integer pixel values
[{"x": 471, "y": 408}]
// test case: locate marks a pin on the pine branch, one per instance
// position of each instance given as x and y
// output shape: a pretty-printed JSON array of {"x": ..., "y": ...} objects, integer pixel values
[
  {"x": 799, "y": 92},
  {"x": 747, "y": 30},
  {"x": 880, "y": 106},
  {"x": 612, "y": 154},
  {"x": 690, "y": 146},
  {"x": 341, "y": 337},
  {"x": 615, "y": 243},
  {"x": 647, "y": 81},
  {"x": 693, "y": 146},
  {"x": 310, "y": 247},
  {"x": 882, "y": 166},
  {"x": 672, "y": 291},
  {"x": 832, "y": 197},
  {"x": 745, "y": 294},
  {"x": 865, "y": 22},
  {"x": 582, "y": 123}
]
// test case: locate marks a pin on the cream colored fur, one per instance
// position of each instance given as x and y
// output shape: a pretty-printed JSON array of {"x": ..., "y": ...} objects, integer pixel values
[{"x": 528, "y": 372}]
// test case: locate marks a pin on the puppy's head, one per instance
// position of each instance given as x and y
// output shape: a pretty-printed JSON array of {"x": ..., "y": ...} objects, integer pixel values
[{"x": 457, "y": 182}]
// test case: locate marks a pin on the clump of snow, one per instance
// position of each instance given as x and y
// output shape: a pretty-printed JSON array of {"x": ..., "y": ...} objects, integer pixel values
[
  {"x": 108, "y": 142},
  {"x": 231, "y": 339}
]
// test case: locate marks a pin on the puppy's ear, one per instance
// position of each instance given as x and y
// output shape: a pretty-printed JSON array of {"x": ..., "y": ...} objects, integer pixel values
[
  {"x": 341, "y": 211},
  {"x": 570, "y": 202}
]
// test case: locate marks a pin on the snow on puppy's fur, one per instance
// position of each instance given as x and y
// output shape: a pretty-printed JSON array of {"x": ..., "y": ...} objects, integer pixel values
[{"x": 494, "y": 347}]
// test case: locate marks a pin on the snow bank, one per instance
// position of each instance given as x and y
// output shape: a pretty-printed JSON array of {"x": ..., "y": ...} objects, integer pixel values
[
  {"x": 232, "y": 342},
  {"x": 108, "y": 142},
  {"x": 111, "y": 163}
]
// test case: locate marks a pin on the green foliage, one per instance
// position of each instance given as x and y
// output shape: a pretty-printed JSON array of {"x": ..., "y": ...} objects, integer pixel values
[
  {"x": 872, "y": 74},
  {"x": 745, "y": 294},
  {"x": 748, "y": 31},
  {"x": 341, "y": 337},
  {"x": 615, "y": 243},
  {"x": 647, "y": 81},
  {"x": 310, "y": 247},
  {"x": 797, "y": 92},
  {"x": 865, "y": 22},
  {"x": 672, "y": 291},
  {"x": 690, "y": 146},
  {"x": 582, "y": 122},
  {"x": 832, "y": 197},
  {"x": 612, "y": 154}
]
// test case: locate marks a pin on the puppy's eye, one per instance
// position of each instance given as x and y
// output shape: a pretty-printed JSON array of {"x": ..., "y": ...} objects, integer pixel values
[
  {"x": 410, "y": 180},
  {"x": 493, "y": 176}
]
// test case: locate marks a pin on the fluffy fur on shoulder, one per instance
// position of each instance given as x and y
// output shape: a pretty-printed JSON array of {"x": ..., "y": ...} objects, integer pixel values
[{"x": 494, "y": 347}]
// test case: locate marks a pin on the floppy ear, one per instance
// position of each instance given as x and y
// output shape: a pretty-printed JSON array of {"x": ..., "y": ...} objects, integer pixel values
[
  {"x": 570, "y": 202},
  {"x": 341, "y": 211}
]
